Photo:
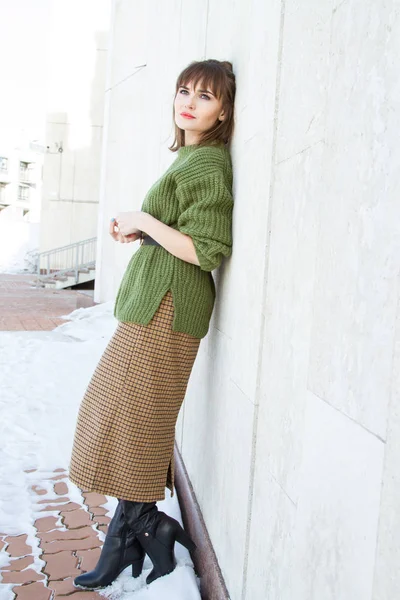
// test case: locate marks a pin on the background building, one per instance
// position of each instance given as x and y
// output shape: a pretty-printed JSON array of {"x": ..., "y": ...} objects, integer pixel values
[
  {"x": 20, "y": 180},
  {"x": 20, "y": 196},
  {"x": 74, "y": 121}
]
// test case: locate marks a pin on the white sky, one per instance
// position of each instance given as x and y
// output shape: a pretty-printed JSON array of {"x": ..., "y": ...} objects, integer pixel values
[
  {"x": 47, "y": 52},
  {"x": 23, "y": 27}
]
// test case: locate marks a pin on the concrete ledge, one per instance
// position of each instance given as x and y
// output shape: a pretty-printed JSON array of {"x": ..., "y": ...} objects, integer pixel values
[{"x": 212, "y": 585}]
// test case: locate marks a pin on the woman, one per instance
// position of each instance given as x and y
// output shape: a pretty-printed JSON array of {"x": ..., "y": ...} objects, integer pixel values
[{"x": 125, "y": 432}]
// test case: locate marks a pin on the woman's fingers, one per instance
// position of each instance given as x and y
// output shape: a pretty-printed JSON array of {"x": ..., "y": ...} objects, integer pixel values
[
  {"x": 131, "y": 237},
  {"x": 114, "y": 234},
  {"x": 120, "y": 237},
  {"x": 125, "y": 239}
]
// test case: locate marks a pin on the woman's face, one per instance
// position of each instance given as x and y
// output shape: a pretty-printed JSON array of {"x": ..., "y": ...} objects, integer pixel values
[{"x": 205, "y": 109}]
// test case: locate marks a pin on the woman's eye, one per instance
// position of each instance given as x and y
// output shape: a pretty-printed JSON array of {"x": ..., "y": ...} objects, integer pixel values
[{"x": 205, "y": 95}]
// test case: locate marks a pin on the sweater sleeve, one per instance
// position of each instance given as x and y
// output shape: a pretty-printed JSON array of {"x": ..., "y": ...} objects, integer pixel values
[{"x": 206, "y": 217}]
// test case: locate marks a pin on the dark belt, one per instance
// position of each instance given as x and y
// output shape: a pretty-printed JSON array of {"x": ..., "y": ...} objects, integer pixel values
[{"x": 147, "y": 240}]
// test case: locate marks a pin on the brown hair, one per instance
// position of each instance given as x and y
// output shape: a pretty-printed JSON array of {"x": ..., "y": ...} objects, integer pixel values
[{"x": 218, "y": 77}]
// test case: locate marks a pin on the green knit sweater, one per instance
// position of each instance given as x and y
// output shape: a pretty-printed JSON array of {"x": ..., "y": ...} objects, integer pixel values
[{"x": 194, "y": 196}]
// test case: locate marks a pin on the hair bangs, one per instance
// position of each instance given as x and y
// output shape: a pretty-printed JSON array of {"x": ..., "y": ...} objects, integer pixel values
[{"x": 210, "y": 78}]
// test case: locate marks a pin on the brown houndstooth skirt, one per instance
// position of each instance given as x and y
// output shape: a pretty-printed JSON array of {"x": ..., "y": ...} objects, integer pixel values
[{"x": 125, "y": 432}]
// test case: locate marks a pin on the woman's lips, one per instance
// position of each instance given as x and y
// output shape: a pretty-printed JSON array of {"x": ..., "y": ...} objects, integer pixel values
[{"x": 186, "y": 116}]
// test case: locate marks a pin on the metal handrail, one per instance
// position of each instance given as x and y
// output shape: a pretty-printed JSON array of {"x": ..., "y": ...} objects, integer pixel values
[
  {"x": 62, "y": 260},
  {"x": 45, "y": 252}
]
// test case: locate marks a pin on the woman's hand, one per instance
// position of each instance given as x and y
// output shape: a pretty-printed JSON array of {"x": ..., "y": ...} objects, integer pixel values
[
  {"x": 119, "y": 237},
  {"x": 130, "y": 222}
]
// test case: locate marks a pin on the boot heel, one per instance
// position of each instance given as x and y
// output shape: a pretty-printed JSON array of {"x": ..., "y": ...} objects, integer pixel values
[
  {"x": 183, "y": 538},
  {"x": 137, "y": 567}
]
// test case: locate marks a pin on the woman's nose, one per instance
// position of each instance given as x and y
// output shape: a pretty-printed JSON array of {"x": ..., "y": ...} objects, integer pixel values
[{"x": 189, "y": 102}]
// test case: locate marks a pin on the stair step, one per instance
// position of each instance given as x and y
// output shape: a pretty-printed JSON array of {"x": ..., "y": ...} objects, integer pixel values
[
  {"x": 65, "y": 279},
  {"x": 36, "y": 284}
]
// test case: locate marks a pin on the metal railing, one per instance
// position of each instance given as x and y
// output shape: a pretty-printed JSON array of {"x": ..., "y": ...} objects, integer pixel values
[{"x": 65, "y": 260}]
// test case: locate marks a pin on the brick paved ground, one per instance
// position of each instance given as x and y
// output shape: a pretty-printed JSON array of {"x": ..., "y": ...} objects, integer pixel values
[
  {"x": 23, "y": 307},
  {"x": 67, "y": 535},
  {"x": 68, "y": 541}
]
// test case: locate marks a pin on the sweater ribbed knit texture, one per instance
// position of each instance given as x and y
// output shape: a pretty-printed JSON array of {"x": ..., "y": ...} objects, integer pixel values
[{"x": 194, "y": 196}]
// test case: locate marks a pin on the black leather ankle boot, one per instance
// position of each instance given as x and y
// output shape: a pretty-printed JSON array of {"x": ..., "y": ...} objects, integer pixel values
[
  {"x": 120, "y": 550},
  {"x": 157, "y": 536}
]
